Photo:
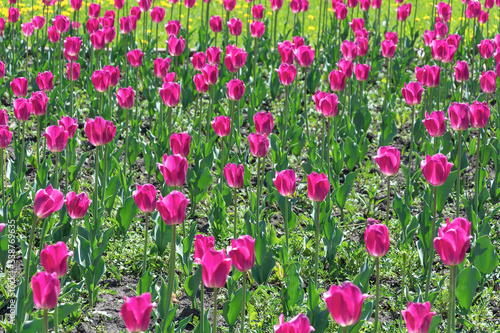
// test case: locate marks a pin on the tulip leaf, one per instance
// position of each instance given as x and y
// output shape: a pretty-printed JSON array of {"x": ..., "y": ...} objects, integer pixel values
[
  {"x": 145, "y": 283},
  {"x": 192, "y": 283},
  {"x": 232, "y": 309},
  {"x": 484, "y": 256},
  {"x": 125, "y": 214},
  {"x": 467, "y": 282},
  {"x": 443, "y": 191},
  {"x": 294, "y": 293},
  {"x": 436, "y": 319},
  {"x": 342, "y": 192},
  {"x": 318, "y": 318},
  {"x": 388, "y": 131},
  {"x": 73, "y": 170}
]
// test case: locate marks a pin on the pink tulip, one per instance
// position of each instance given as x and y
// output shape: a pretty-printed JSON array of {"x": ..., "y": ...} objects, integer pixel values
[
  {"x": 157, "y": 14},
  {"x": 388, "y": 48},
  {"x": 94, "y": 10},
  {"x": 174, "y": 170},
  {"x": 483, "y": 17},
  {"x": 198, "y": 60},
  {"x": 73, "y": 71},
  {"x": 27, "y": 29},
  {"x": 170, "y": 94},
  {"x": 349, "y": 50},
  {"x": 257, "y": 29},
  {"x": 145, "y": 198},
  {"x": 429, "y": 37},
  {"x": 418, "y": 317},
  {"x": 173, "y": 28},
  {"x": 2, "y": 70},
  {"x": 264, "y": 122},
  {"x": 362, "y": 72},
  {"x": 317, "y": 186},
  {"x": 54, "y": 258},
  {"x": 352, "y": 3},
  {"x": 2, "y": 226},
  {"x": 344, "y": 303},
  {"x": 125, "y": 97},
  {"x": 259, "y": 144},
  {"x": 57, "y": 137},
  {"x": 45, "y": 81},
  {"x": 473, "y": 9},
  {"x": 452, "y": 243},
  {"x": 242, "y": 253},
  {"x": 285, "y": 182},
  {"x": 2, "y": 26},
  {"x": 459, "y": 114},
  {"x": 69, "y": 125},
  {"x": 72, "y": 46},
  {"x": 176, "y": 46},
  {"x": 298, "y": 324},
  {"x": 461, "y": 71},
  {"x": 5, "y": 136},
  {"x": 13, "y": 16},
  {"x": 295, "y": 6},
  {"x": 276, "y": 5},
  {"x": 412, "y": 93},
  {"x": 145, "y": 5},
  {"x": 479, "y": 114},
  {"x": 76, "y": 5},
  {"x": 61, "y": 24},
  {"x": 4, "y": 117},
  {"x": 180, "y": 144},
  {"x": 47, "y": 201},
  {"x": 428, "y": 76},
  {"x": 39, "y": 102},
  {"x": 376, "y": 4},
  {"x": 200, "y": 84},
  {"x": 235, "y": 26},
  {"x": 435, "y": 123},
  {"x": 216, "y": 23},
  {"x": 114, "y": 74},
  {"x": 215, "y": 268},
  {"x": 229, "y": 5},
  {"x": 235, "y": 58},
  {"x": 287, "y": 74},
  {"x": 444, "y": 11},
  {"x": 99, "y": 131},
  {"x": 436, "y": 169},
  {"x": 286, "y": 50},
  {"x": 340, "y": 11},
  {"x": 210, "y": 74},
  {"x": 92, "y": 25},
  {"x": 235, "y": 89},
  {"x": 100, "y": 80},
  {"x": 77, "y": 204},
  {"x": 202, "y": 244},
  {"x": 377, "y": 240},
  {"x": 46, "y": 289},
  {"x": 388, "y": 159},
  {"x": 19, "y": 87},
  {"x": 125, "y": 25},
  {"x": 234, "y": 175},
  {"x": 258, "y": 12},
  {"x": 441, "y": 30},
  {"x": 361, "y": 46},
  {"x": 172, "y": 208},
  {"x": 213, "y": 56},
  {"x": 222, "y": 126},
  {"x": 136, "y": 312},
  {"x": 356, "y": 24},
  {"x": 304, "y": 55},
  {"x": 454, "y": 40},
  {"x": 346, "y": 67},
  {"x": 488, "y": 82},
  {"x": 328, "y": 105},
  {"x": 404, "y": 11},
  {"x": 189, "y": 3},
  {"x": 337, "y": 80},
  {"x": 98, "y": 40},
  {"x": 134, "y": 57},
  {"x": 487, "y": 48},
  {"x": 22, "y": 109}
]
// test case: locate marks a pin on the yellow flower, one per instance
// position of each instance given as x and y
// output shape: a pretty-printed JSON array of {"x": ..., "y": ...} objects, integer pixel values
[
  {"x": 237, "y": 7},
  {"x": 310, "y": 28},
  {"x": 190, "y": 20},
  {"x": 330, "y": 10},
  {"x": 245, "y": 6},
  {"x": 144, "y": 41},
  {"x": 199, "y": 17},
  {"x": 270, "y": 13},
  {"x": 427, "y": 17},
  {"x": 417, "y": 19},
  {"x": 149, "y": 31},
  {"x": 182, "y": 15},
  {"x": 65, "y": 13},
  {"x": 310, "y": 17},
  {"x": 190, "y": 27}
]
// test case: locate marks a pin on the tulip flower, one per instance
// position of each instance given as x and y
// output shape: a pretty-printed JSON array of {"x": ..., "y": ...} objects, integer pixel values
[
  {"x": 418, "y": 317},
  {"x": 73, "y": 71},
  {"x": 362, "y": 71},
  {"x": 488, "y": 82},
  {"x": 2, "y": 70},
  {"x": 259, "y": 144},
  {"x": 461, "y": 71},
  {"x": 45, "y": 81},
  {"x": 180, "y": 144},
  {"x": 77, "y": 206},
  {"x": 176, "y": 46},
  {"x": 361, "y": 46},
  {"x": 216, "y": 25},
  {"x": 344, "y": 303},
  {"x": 198, "y": 60},
  {"x": 200, "y": 83},
  {"x": 161, "y": 67},
  {"x": 435, "y": 123},
  {"x": 57, "y": 137},
  {"x": 235, "y": 26},
  {"x": 5, "y": 137},
  {"x": 235, "y": 58},
  {"x": 299, "y": 323},
  {"x": 412, "y": 93},
  {"x": 242, "y": 253},
  {"x": 487, "y": 48},
  {"x": 46, "y": 289},
  {"x": 19, "y": 87},
  {"x": 174, "y": 170},
  {"x": 388, "y": 48},
  {"x": 99, "y": 131},
  {"x": 388, "y": 159},
  {"x": 136, "y": 312},
  {"x": 285, "y": 183},
  {"x": 134, "y": 57},
  {"x": 235, "y": 89},
  {"x": 258, "y": 12},
  {"x": 337, "y": 80},
  {"x": 222, "y": 126},
  {"x": 264, "y": 123},
  {"x": 54, "y": 259},
  {"x": 349, "y": 50},
  {"x": 286, "y": 50}
]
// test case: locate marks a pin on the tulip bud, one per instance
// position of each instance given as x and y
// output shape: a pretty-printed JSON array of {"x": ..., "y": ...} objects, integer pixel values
[
  {"x": 259, "y": 144},
  {"x": 180, "y": 144},
  {"x": 418, "y": 317},
  {"x": 234, "y": 175},
  {"x": 318, "y": 186},
  {"x": 459, "y": 114},
  {"x": 172, "y": 208},
  {"x": 174, "y": 169},
  {"x": 344, "y": 303},
  {"x": 145, "y": 198},
  {"x": 377, "y": 240},
  {"x": 47, "y": 201},
  {"x": 285, "y": 182},
  {"x": 264, "y": 122},
  {"x": 388, "y": 159},
  {"x": 46, "y": 289},
  {"x": 242, "y": 253},
  {"x": 202, "y": 244},
  {"x": 215, "y": 268},
  {"x": 54, "y": 258},
  {"x": 436, "y": 169},
  {"x": 136, "y": 312}
]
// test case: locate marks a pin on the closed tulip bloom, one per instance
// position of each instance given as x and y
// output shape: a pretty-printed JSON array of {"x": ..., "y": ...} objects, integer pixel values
[
  {"x": 377, "y": 240},
  {"x": 488, "y": 4},
  {"x": 257, "y": 29},
  {"x": 298, "y": 324},
  {"x": 441, "y": 30},
  {"x": 54, "y": 258},
  {"x": 19, "y": 87},
  {"x": 213, "y": 56},
  {"x": 356, "y": 24},
  {"x": 404, "y": 11},
  {"x": 216, "y": 23},
  {"x": 317, "y": 97},
  {"x": 235, "y": 58},
  {"x": 72, "y": 46},
  {"x": 361, "y": 46},
  {"x": 317, "y": 186},
  {"x": 174, "y": 169},
  {"x": 440, "y": 49},
  {"x": 444, "y": 11},
  {"x": 145, "y": 198},
  {"x": 39, "y": 102},
  {"x": 376, "y": 4},
  {"x": 73, "y": 71},
  {"x": 22, "y": 109},
  {"x": 215, "y": 268},
  {"x": 483, "y": 17},
  {"x": 114, "y": 74},
  {"x": 285, "y": 182},
  {"x": 344, "y": 303},
  {"x": 13, "y": 16},
  {"x": 180, "y": 144},
  {"x": 157, "y": 14},
  {"x": 125, "y": 97},
  {"x": 170, "y": 94},
  {"x": 210, "y": 74},
  {"x": 452, "y": 244},
  {"x": 412, "y": 93},
  {"x": 329, "y": 105},
  {"x": 479, "y": 114},
  {"x": 100, "y": 80},
  {"x": 222, "y": 126},
  {"x": 429, "y": 37},
  {"x": 2, "y": 69},
  {"x": 61, "y": 24},
  {"x": 229, "y": 5},
  {"x": 304, "y": 55},
  {"x": 436, "y": 169},
  {"x": 125, "y": 25},
  {"x": 337, "y": 80},
  {"x": 364, "y": 5},
  {"x": 234, "y": 175},
  {"x": 349, "y": 50},
  {"x": 47, "y": 201},
  {"x": 435, "y": 123},
  {"x": 461, "y": 71},
  {"x": 298, "y": 41},
  {"x": 2, "y": 26},
  {"x": 362, "y": 72},
  {"x": 235, "y": 26},
  {"x": 134, "y": 57},
  {"x": 172, "y": 208},
  {"x": 459, "y": 114},
  {"x": 202, "y": 244},
  {"x": 259, "y": 144},
  {"x": 27, "y": 29},
  {"x": 388, "y": 48},
  {"x": 109, "y": 34},
  {"x": 4, "y": 117},
  {"x": 77, "y": 204},
  {"x": 286, "y": 74},
  {"x": 136, "y": 313},
  {"x": 235, "y": 89},
  {"x": 45, "y": 81},
  {"x": 295, "y": 6},
  {"x": 69, "y": 125},
  {"x": 286, "y": 50},
  {"x": 98, "y": 40},
  {"x": 169, "y": 78},
  {"x": 264, "y": 122},
  {"x": 176, "y": 45},
  {"x": 459, "y": 222},
  {"x": 488, "y": 82},
  {"x": 57, "y": 138},
  {"x": 418, "y": 317},
  {"x": 92, "y": 25},
  {"x": 276, "y": 5},
  {"x": 173, "y": 28},
  {"x": 99, "y": 131},
  {"x": 352, "y": 3},
  {"x": 189, "y": 3},
  {"x": 346, "y": 67},
  {"x": 242, "y": 253},
  {"x": 76, "y": 5},
  {"x": 5, "y": 136},
  {"x": 258, "y": 12},
  {"x": 341, "y": 11},
  {"x": 144, "y": 5},
  {"x": 46, "y": 289},
  {"x": 198, "y": 60},
  {"x": 454, "y": 40},
  {"x": 473, "y": 9},
  {"x": 428, "y": 76},
  {"x": 487, "y": 48},
  {"x": 388, "y": 159},
  {"x": 200, "y": 84},
  {"x": 94, "y": 10}
]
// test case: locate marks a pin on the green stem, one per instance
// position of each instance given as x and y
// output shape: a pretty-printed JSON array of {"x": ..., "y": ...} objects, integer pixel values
[
  {"x": 377, "y": 293},
  {"x": 73, "y": 240},
  {"x": 214, "y": 314},
  {"x": 316, "y": 254},
  {"x": 71, "y": 88},
  {"x": 287, "y": 232},
  {"x": 38, "y": 134},
  {"x": 202, "y": 305},
  {"x": 305, "y": 100},
  {"x": 2, "y": 178},
  {"x": 233, "y": 127},
  {"x": 322, "y": 140},
  {"x": 275, "y": 29},
  {"x": 66, "y": 155},
  {"x": 146, "y": 244},
  {"x": 235, "y": 232},
  {"x": 28, "y": 258},
  {"x": 125, "y": 165},
  {"x": 243, "y": 303},
  {"x": 453, "y": 285},
  {"x": 478, "y": 168},
  {"x": 388, "y": 200},
  {"x": 459, "y": 160},
  {"x": 431, "y": 250},
  {"x": 171, "y": 270},
  {"x": 45, "y": 321},
  {"x": 105, "y": 175},
  {"x": 56, "y": 319},
  {"x": 285, "y": 119},
  {"x": 96, "y": 187},
  {"x": 21, "y": 162},
  {"x": 410, "y": 161},
  {"x": 207, "y": 33},
  {"x": 259, "y": 162},
  {"x": 402, "y": 288},
  {"x": 221, "y": 164}
]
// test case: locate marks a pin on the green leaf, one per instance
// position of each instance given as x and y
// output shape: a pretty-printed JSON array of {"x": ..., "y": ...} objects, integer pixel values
[
  {"x": 232, "y": 309},
  {"x": 192, "y": 283},
  {"x": 443, "y": 191},
  {"x": 342, "y": 192},
  {"x": 484, "y": 256},
  {"x": 294, "y": 291},
  {"x": 467, "y": 282},
  {"x": 125, "y": 214}
]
